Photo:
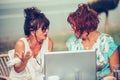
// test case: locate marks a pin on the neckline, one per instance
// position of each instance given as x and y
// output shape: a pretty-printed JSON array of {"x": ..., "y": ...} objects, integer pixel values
[
  {"x": 29, "y": 49},
  {"x": 94, "y": 42}
]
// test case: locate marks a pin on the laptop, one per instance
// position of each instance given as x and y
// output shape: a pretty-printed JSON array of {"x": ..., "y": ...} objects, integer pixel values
[{"x": 70, "y": 65}]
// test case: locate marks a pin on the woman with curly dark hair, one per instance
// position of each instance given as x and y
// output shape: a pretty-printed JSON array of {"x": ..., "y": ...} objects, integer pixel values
[
  {"x": 29, "y": 50},
  {"x": 84, "y": 22}
]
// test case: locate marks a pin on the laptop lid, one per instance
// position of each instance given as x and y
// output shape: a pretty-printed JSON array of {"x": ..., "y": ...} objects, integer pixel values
[{"x": 70, "y": 65}]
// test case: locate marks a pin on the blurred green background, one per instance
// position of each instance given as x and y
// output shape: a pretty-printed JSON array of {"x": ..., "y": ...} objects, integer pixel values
[{"x": 12, "y": 19}]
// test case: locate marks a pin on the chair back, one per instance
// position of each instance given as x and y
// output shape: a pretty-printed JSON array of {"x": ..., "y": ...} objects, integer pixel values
[{"x": 4, "y": 69}]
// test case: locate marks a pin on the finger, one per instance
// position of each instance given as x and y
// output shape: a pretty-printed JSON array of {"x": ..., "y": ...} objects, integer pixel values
[
  {"x": 16, "y": 54},
  {"x": 28, "y": 54},
  {"x": 23, "y": 54}
]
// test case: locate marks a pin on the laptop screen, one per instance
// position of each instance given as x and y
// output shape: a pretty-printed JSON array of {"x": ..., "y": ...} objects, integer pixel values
[{"x": 70, "y": 65}]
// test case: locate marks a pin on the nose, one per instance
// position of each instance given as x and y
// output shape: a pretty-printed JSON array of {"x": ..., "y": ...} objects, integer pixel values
[{"x": 47, "y": 30}]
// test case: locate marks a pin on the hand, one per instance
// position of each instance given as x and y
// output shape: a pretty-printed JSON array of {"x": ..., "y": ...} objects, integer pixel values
[{"x": 25, "y": 56}]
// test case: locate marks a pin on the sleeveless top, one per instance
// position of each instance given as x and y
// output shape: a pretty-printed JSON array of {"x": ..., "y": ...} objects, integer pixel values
[{"x": 34, "y": 68}]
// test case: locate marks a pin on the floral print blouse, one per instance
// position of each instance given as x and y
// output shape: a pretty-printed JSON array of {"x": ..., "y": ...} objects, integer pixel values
[{"x": 104, "y": 47}]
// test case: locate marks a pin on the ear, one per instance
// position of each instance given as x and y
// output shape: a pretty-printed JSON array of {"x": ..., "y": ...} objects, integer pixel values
[{"x": 85, "y": 33}]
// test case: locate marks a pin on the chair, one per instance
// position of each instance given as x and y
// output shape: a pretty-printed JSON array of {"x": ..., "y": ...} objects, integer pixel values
[
  {"x": 4, "y": 69},
  {"x": 4, "y": 78}
]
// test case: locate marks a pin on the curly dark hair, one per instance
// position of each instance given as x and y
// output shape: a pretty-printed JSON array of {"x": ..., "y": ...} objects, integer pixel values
[
  {"x": 84, "y": 18},
  {"x": 34, "y": 19}
]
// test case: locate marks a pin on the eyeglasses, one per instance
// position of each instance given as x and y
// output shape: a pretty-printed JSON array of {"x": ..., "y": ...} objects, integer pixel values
[{"x": 44, "y": 28}]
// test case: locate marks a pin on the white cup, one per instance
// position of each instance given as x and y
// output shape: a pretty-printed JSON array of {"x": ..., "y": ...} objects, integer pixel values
[
  {"x": 109, "y": 78},
  {"x": 116, "y": 70},
  {"x": 53, "y": 77}
]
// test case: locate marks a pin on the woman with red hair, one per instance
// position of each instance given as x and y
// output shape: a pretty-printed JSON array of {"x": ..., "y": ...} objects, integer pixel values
[{"x": 84, "y": 22}]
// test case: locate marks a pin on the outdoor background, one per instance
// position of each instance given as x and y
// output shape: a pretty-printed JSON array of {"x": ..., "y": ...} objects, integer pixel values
[{"x": 12, "y": 20}]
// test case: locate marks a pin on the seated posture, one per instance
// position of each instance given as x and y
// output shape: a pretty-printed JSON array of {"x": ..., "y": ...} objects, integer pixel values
[
  {"x": 29, "y": 50},
  {"x": 84, "y": 22}
]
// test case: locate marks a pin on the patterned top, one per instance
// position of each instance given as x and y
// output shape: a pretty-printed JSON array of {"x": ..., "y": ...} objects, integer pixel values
[{"x": 104, "y": 46}]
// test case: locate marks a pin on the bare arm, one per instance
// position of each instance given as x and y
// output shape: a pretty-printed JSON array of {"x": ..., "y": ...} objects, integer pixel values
[
  {"x": 114, "y": 60},
  {"x": 50, "y": 44},
  {"x": 19, "y": 52}
]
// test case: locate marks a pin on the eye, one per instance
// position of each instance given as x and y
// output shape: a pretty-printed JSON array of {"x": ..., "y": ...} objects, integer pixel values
[{"x": 44, "y": 28}]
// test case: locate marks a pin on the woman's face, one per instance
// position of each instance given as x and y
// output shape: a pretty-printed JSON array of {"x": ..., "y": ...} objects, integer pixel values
[
  {"x": 42, "y": 33},
  {"x": 77, "y": 33}
]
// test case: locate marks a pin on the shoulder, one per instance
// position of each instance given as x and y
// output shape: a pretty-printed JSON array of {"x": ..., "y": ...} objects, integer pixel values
[
  {"x": 71, "y": 39},
  {"x": 19, "y": 45},
  {"x": 50, "y": 44},
  {"x": 107, "y": 37},
  {"x": 108, "y": 43},
  {"x": 50, "y": 41}
]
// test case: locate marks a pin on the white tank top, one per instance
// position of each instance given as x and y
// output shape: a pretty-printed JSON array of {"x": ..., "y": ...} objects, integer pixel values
[{"x": 34, "y": 68}]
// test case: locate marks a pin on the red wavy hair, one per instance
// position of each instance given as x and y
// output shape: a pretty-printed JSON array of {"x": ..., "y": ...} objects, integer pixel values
[{"x": 84, "y": 19}]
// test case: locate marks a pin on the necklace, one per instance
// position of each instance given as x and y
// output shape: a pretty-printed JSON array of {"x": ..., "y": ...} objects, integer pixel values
[
  {"x": 89, "y": 43},
  {"x": 35, "y": 48},
  {"x": 87, "y": 46},
  {"x": 40, "y": 63}
]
